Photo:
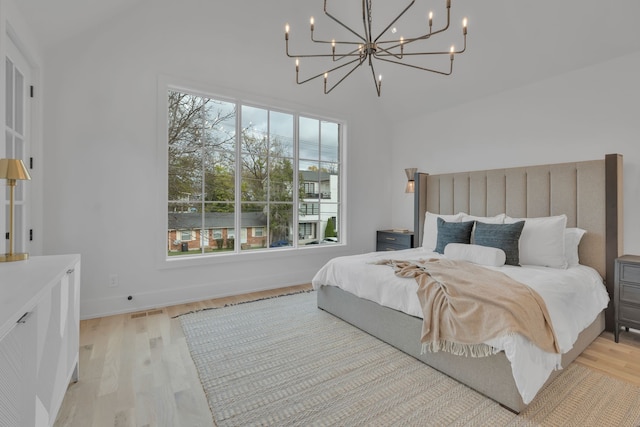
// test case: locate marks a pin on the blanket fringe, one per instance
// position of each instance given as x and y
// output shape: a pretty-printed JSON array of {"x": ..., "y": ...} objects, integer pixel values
[{"x": 467, "y": 350}]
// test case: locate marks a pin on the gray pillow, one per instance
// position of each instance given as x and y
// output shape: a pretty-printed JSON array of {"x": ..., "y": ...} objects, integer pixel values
[
  {"x": 501, "y": 236},
  {"x": 452, "y": 232}
]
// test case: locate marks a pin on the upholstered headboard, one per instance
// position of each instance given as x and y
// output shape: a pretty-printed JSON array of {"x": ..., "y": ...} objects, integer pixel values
[{"x": 588, "y": 192}]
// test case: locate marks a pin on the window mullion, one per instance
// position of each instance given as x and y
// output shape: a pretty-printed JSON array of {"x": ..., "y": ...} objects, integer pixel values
[
  {"x": 238, "y": 175},
  {"x": 203, "y": 175},
  {"x": 296, "y": 180}
]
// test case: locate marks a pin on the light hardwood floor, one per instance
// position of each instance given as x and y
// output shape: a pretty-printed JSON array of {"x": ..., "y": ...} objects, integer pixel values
[{"x": 135, "y": 369}]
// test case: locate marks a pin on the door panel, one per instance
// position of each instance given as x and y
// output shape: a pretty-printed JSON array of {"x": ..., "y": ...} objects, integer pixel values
[{"x": 17, "y": 143}]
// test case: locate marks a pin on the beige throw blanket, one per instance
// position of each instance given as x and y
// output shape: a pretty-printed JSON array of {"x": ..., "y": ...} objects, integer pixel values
[{"x": 465, "y": 305}]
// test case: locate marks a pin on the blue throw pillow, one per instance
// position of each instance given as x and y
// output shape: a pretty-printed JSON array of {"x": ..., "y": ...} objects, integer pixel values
[
  {"x": 453, "y": 232},
  {"x": 501, "y": 236}
]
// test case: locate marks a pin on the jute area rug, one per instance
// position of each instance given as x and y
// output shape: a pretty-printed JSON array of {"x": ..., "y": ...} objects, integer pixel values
[{"x": 284, "y": 362}]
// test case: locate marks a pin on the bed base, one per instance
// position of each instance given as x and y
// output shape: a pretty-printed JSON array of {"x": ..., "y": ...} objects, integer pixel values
[{"x": 490, "y": 376}]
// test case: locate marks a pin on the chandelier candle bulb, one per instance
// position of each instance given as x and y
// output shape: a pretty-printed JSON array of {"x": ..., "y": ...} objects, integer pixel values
[
  {"x": 286, "y": 32},
  {"x": 311, "y": 21},
  {"x": 453, "y": 49},
  {"x": 430, "y": 21},
  {"x": 464, "y": 26}
]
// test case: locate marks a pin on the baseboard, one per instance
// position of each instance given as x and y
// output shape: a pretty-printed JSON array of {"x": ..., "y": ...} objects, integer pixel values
[{"x": 101, "y": 307}]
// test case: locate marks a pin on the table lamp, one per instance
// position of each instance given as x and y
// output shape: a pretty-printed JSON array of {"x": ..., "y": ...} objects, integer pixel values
[{"x": 12, "y": 170}]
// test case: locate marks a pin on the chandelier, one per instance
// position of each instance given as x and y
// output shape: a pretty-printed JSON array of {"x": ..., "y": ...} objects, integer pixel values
[{"x": 368, "y": 47}]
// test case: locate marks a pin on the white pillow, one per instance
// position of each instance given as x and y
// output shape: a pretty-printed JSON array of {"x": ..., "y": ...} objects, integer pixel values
[
  {"x": 572, "y": 237},
  {"x": 498, "y": 219},
  {"x": 542, "y": 241},
  {"x": 430, "y": 235},
  {"x": 483, "y": 255}
]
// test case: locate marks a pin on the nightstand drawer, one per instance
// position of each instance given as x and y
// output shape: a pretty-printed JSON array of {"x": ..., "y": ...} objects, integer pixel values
[
  {"x": 389, "y": 240},
  {"x": 630, "y": 273},
  {"x": 630, "y": 293},
  {"x": 400, "y": 239},
  {"x": 629, "y": 313},
  {"x": 384, "y": 246}
]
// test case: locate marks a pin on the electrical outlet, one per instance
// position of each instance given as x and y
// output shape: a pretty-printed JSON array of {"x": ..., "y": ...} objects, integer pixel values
[{"x": 113, "y": 280}]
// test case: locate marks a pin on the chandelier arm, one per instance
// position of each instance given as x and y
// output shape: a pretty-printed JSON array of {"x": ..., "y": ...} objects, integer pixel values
[
  {"x": 464, "y": 48},
  {"x": 376, "y": 83},
  {"x": 414, "y": 39},
  {"x": 340, "y": 23},
  {"x": 325, "y": 55},
  {"x": 334, "y": 41},
  {"x": 320, "y": 55},
  {"x": 420, "y": 68},
  {"x": 381, "y": 51},
  {"x": 394, "y": 21},
  {"x": 328, "y": 71},
  {"x": 409, "y": 41},
  {"x": 343, "y": 77},
  {"x": 431, "y": 33},
  {"x": 355, "y": 52},
  {"x": 379, "y": 55}
]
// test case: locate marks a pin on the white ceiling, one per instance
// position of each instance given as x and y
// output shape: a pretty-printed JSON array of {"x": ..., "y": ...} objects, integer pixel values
[{"x": 511, "y": 43}]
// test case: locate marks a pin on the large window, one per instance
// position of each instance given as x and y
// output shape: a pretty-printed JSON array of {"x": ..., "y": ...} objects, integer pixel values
[{"x": 235, "y": 166}]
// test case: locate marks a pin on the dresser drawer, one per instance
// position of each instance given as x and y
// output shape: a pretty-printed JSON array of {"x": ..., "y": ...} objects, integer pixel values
[{"x": 630, "y": 273}]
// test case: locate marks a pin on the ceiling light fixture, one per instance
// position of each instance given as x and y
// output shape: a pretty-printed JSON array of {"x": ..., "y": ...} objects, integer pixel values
[{"x": 368, "y": 47}]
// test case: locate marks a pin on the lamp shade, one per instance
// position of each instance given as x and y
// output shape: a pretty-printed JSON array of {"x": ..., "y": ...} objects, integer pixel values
[
  {"x": 410, "y": 179},
  {"x": 13, "y": 169}
]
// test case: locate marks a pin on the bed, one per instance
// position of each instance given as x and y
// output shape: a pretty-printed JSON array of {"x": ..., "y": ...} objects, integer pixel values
[{"x": 587, "y": 194}]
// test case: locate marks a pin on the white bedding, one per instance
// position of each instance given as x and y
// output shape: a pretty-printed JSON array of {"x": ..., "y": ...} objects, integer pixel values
[{"x": 574, "y": 297}]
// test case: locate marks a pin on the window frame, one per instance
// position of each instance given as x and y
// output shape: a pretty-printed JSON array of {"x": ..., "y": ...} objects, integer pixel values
[{"x": 167, "y": 83}]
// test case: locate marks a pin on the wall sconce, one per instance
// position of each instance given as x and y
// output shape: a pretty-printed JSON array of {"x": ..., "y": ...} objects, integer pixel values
[
  {"x": 12, "y": 170},
  {"x": 411, "y": 184}
]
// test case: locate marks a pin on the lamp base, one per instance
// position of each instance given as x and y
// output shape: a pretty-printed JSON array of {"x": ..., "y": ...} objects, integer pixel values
[{"x": 13, "y": 257}]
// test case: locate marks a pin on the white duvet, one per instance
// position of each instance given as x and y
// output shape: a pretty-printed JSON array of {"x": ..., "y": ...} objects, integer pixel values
[{"x": 574, "y": 297}]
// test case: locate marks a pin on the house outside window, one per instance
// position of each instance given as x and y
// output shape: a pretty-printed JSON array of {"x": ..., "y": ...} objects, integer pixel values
[{"x": 237, "y": 166}]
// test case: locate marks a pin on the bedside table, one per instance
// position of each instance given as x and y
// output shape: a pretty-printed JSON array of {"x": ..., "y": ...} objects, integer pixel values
[
  {"x": 389, "y": 240},
  {"x": 626, "y": 298}
]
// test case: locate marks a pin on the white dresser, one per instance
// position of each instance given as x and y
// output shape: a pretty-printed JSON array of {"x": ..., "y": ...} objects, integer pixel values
[{"x": 39, "y": 337}]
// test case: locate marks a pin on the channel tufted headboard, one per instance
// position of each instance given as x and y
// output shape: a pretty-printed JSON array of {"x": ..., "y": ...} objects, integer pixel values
[{"x": 588, "y": 192}]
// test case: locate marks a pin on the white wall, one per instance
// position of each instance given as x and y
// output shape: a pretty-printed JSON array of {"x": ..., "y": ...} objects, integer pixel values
[
  {"x": 581, "y": 115},
  {"x": 101, "y": 146}
]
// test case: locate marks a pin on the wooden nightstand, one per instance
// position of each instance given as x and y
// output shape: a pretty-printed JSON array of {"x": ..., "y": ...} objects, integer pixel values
[
  {"x": 626, "y": 297},
  {"x": 389, "y": 240}
]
